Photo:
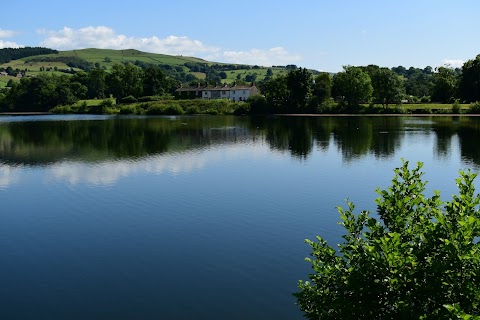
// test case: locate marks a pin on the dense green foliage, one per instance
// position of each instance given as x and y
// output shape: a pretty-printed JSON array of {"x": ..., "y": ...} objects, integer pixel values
[
  {"x": 353, "y": 86},
  {"x": 156, "y": 106},
  {"x": 419, "y": 260},
  {"x": 445, "y": 85},
  {"x": 43, "y": 92},
  {"x": 359, "y": 89},
  {"x": 387, "y": 86},
  {"x": 470, "y": 80},
  {"x": 9, "y": 54}
]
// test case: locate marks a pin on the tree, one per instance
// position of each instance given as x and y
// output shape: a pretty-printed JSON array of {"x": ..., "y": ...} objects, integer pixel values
[
  {"x": 387, "y": 86},
  {"x": 323, "y": 86},
  {"x": 299, "y": 85},
  {"x": 400, "y": 70},
  {"x": 420, "y": 261},
  {"x": 418, "y": 82},
  {"x": 124, "y": 80},
  {"x": 276, "y": 92},
  {"x": 154, "y": 81},
  {"x": 132, "y": 81},
  {"x": 445, "y": 85},
  {"x": 353, "y": 85},
  {"x": 470, "y": 80},
  {"x": 96, "y": 83},
  {"x": 251, "y": 77},
  {"x": 114, "y": 81}
]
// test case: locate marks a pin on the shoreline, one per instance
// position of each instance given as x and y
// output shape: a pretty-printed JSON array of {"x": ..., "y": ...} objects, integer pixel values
[
  {"x": 377, "y": 114},
  {"x": 32, "y": 113},
  {"x": 37, "y": 113}
]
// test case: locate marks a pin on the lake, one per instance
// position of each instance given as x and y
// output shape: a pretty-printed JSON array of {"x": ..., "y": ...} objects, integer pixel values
[{"x": 200, "y": 217}]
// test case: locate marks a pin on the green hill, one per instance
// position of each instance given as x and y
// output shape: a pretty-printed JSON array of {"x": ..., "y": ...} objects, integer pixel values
[
  {"x": 194, "y": 68},
  {"x": 107, "y": 57}
]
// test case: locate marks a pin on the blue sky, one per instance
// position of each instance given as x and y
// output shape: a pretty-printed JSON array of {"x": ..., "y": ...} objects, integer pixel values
[{"x": 318, "y": 34}]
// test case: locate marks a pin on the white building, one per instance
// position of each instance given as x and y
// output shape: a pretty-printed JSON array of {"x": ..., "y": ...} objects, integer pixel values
[{"x": 233, "y": 93}]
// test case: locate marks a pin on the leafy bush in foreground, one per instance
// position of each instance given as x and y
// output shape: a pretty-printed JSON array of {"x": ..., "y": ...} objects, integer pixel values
[{"x": 421, "y": 260}]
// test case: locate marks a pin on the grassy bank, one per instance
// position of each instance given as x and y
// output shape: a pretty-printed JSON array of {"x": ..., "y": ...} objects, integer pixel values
[
  {"x": 160, "y": 107},
  {"x": 168, "y": 106},
  {"x": 433, "y": 108}
]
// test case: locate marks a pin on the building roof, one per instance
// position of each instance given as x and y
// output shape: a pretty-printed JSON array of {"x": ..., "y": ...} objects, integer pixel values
[{"x": 218, "y": 88}]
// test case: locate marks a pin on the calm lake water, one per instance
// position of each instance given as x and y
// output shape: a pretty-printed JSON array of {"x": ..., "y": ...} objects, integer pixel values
[{"x": 193, "y": 217}]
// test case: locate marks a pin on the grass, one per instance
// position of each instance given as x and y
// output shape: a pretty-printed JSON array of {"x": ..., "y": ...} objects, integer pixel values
[
  {"x": 433, "y": 107},
  {"x": 120, "y": 56},
  {"x": 33, "y": 68},
  {"x": 260, "y": 72},
  {"x": 94, "y": 102},
  {"x": 4, "y": 80},
  {"x": 199, "y": 75}
]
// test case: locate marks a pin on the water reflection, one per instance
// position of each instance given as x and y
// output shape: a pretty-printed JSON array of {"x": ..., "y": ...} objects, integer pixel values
[{"x": 100, "y": 149}]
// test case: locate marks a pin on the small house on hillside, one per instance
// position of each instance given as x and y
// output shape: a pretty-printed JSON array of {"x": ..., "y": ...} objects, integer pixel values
[
  {"x": 3, "y": 73},
  {"x": 233, "y": 93}
]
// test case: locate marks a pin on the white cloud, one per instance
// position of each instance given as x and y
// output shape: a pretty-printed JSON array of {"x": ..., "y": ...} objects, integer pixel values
[
  {"x": 7, "y": 33},
  {"x": 9, "y": 44},
  {"x": 106, "y": 38},
  {"x": 454, "y": 63},
  {"x": 263, "y": 57}
]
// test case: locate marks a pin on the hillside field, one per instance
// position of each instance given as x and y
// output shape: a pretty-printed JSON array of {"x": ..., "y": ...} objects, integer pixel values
[{"x": 106, "y": 58}]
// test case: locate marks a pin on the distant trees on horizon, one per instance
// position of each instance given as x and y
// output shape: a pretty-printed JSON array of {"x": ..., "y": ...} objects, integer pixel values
[
  {"x": 371, "y": 84},
  {"x": 9, "y": 54}
]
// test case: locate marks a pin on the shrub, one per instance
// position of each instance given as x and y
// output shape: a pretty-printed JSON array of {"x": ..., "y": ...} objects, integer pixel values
[
  {"x": 258, "y": 104},
  {"x": 326, "y": 106},
  {"x": 474, "y": 108},
  {"x": 425, "y": 99},
  {"x": 456, "y": 107},
  {"x": 62, "y": 109},
  {"x": 83, "y": 107},
  {"x": 174, "y": 109},
  {"x": 421, "y": 260},
  {"x": 242, "y": 109},
  {"x": 160, "y": 109},
  {"x": 149, "y": 98},
  {"x": 103, "y": 107},
  {"x": 155, "y": 110},
  {"x": 192, "y": 110},
  {"x": 129, "y": 99},
  {"x": 128, "y": 110},
  {"x": 107, "y": 103}
]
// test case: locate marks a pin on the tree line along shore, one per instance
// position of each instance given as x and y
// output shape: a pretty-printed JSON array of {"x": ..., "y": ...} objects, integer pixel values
[{"x": 147, "y": 88}]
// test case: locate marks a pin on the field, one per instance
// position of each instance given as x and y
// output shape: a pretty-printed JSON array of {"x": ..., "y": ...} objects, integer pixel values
[
  {"x": 4, "y": 80},
  {"x": 33, "y": 68},
  {"x": 107, "y": 58},
  {"x": 260, "y": 72}
]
